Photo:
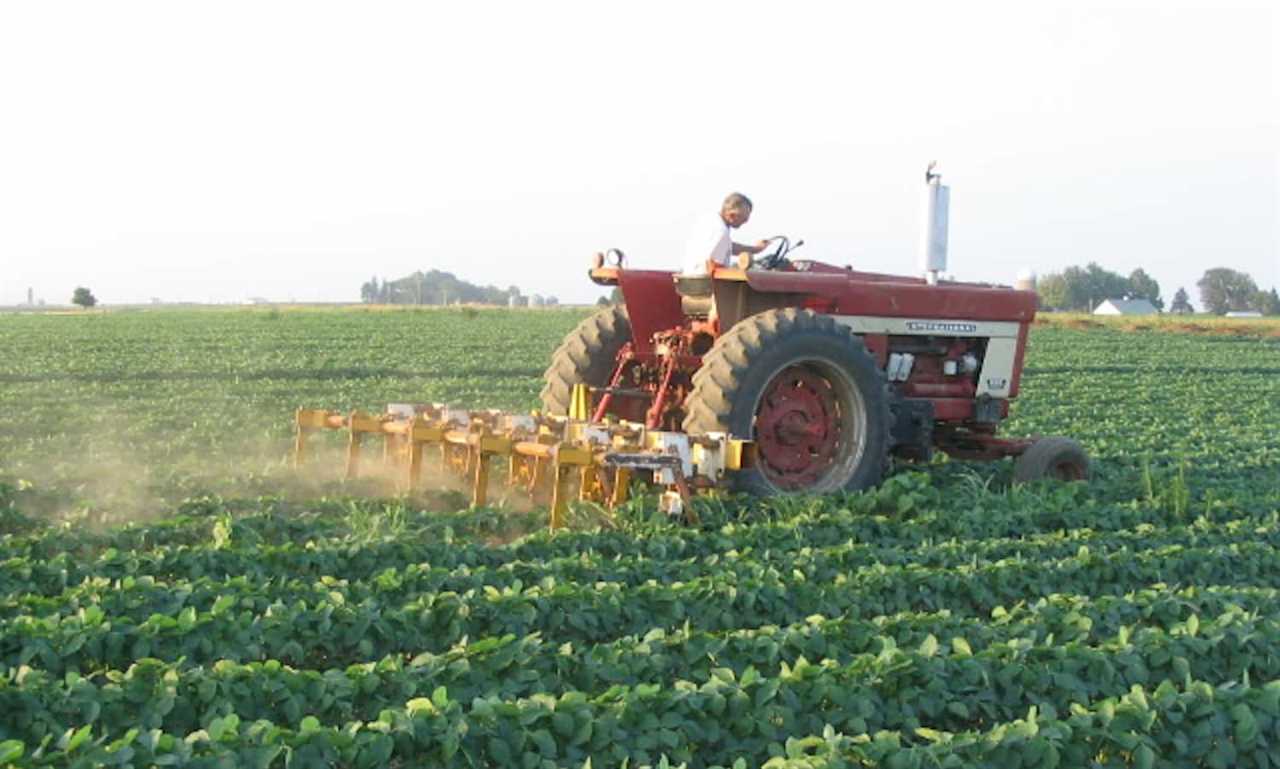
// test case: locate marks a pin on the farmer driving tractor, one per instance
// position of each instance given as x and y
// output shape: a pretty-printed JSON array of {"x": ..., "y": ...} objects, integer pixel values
[{"x": 710, "y": 244}]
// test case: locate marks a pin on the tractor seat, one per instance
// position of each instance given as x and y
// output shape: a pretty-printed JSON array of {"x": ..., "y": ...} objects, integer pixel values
[{"x": 695, "y": 294}]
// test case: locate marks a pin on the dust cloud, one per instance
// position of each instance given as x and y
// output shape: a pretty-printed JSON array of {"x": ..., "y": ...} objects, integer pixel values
[{"x": 100, "y": 479}]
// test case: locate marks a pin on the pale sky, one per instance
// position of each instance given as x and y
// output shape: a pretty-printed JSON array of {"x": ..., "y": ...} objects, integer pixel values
[{"x": 218, "y": 151}]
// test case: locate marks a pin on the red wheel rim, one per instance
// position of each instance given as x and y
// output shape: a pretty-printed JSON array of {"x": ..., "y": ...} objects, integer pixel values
[{"x": 799, "y": 429}]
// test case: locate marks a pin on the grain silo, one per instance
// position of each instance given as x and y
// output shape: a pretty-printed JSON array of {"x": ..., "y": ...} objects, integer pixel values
[{"x": 1026, "y": 281}]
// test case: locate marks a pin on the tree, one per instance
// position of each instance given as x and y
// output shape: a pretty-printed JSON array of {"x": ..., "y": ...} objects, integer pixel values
[
  {"x": 1267, "y": 302},
  {"x": 1224, "y": 290},
  {"x": 1104, "y": 284},
  {"x": 1143, "y": 286},
  {"x": 1052, "y": 289},
  {"x": 83, "y": 297},
  {"x": 369, "y": 291},
  {"x": 1068, "y": 290},
  {"x": 1080, "y": 289},
  {"x": 1181, "y": 303},
  {"x": 438, "y": 288},
  {"x": 1077, "y": 293}
]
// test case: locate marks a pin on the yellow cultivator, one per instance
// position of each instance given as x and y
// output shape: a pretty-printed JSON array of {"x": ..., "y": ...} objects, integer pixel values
[{"x": 553, "y": 458}]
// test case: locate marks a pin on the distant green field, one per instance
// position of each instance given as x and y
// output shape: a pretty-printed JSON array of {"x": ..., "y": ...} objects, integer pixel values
[
  {"x": 128, "y": 413},
  {"x": 250, "y": 616}
]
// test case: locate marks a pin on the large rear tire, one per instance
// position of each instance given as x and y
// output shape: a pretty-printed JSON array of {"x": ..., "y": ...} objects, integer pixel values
[
  {"x": 807, "y": 392},
  {"x": 587, "y": 356}
]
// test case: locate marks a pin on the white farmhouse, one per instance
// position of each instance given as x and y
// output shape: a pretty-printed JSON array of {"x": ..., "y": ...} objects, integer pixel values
[{"x": 1125, "y": 307}]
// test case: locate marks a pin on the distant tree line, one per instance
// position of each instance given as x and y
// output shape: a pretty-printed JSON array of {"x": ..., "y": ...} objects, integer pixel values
[
  {"x": 1080, "y": 289},
  {"x": 1222, "y": 290},
  {"x": 433, "y": 287}
]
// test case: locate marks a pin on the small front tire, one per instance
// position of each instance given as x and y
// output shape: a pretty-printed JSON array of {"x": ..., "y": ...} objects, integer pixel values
[{"x": 1055, "y": 458}]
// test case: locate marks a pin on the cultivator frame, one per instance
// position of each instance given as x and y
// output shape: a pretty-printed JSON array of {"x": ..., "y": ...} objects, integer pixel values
[{"x": 553, "y": 458}]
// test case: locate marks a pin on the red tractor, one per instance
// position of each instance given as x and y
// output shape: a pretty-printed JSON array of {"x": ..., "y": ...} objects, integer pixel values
[
  {"x": 776, "y": 377},
  {"x": 826, "y": 371}
]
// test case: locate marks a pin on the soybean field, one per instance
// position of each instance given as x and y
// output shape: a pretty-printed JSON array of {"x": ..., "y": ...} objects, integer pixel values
[{"x": 172, "y": 593}]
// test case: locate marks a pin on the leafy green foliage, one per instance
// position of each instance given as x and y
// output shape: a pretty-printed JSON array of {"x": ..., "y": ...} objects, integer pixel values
[
  {"x": 946, "y": 618},
  {"x": 1223, "y": 290},
  {"x": 433, "y": 287},
  {"x": 1181, "y": 302},
  {"x": 1083, "y": 288},
  {"x": 83, "y": 297}
]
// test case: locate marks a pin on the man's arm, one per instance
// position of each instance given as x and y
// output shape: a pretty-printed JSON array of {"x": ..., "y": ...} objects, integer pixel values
[
  {"x": 735, "y": 249},
  {"x": 740, "y": 248}
]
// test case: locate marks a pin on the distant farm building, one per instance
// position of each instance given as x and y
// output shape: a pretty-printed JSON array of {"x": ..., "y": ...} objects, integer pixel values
[
  {"x": 1244, "y": 314},
  {"x": 1125, "y": 307},
  {"x": 1026, "y": 281}
]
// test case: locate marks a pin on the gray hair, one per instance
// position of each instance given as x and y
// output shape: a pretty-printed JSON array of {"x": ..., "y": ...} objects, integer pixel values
[{"x": 736, "y": 201}]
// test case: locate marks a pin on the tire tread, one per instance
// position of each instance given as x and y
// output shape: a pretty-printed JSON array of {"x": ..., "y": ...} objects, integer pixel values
[{"x": 586, "y": 355}]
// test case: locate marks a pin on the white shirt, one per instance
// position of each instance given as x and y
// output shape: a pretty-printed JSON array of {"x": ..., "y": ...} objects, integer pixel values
[{"x": 708, "y": 240}]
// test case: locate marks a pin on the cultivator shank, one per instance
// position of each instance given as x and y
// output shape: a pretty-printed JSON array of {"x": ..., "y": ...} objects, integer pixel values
[{"x": 554, "y": 459}]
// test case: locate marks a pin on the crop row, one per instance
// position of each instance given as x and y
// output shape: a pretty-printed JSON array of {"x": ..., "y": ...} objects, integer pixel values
[
  {"x": 334, "y": 633},
  {"x": 1107, "y": 654},
  {"x": 1196, "y": 725},
  {"x": 724, "y": 720},
  {"x": 136, "y": 599},
  {"x": 42, "y": 564}
]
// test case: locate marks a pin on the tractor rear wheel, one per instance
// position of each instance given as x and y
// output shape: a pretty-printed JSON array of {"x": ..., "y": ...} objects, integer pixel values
[
  {"x": 1060, "y": 459},
  {"x": 809, "y": 395},
  {"x": 587, "y": 356}
]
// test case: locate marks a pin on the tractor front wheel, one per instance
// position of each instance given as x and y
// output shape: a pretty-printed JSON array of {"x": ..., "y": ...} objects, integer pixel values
[
  {"x": 805, "y": 390},
  {"x": 1060, "y": 459}
]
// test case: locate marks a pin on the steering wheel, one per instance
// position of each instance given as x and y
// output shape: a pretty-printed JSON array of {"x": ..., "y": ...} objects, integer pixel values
[{"x": 778, "y": 259}]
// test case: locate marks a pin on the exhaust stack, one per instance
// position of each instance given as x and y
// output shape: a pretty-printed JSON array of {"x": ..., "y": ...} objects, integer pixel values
[{"x": 933, "y": 235}]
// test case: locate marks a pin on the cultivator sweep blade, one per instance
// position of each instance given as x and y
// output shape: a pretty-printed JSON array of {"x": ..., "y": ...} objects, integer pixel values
[{"x": 554, "y": 459}]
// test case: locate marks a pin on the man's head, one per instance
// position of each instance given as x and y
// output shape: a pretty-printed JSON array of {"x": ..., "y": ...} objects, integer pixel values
[{"x": 736, "y": 209}]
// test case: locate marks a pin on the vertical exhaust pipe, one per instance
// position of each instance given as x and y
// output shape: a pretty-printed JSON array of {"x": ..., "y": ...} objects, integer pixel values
[{"x": 933, "y": 234}]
